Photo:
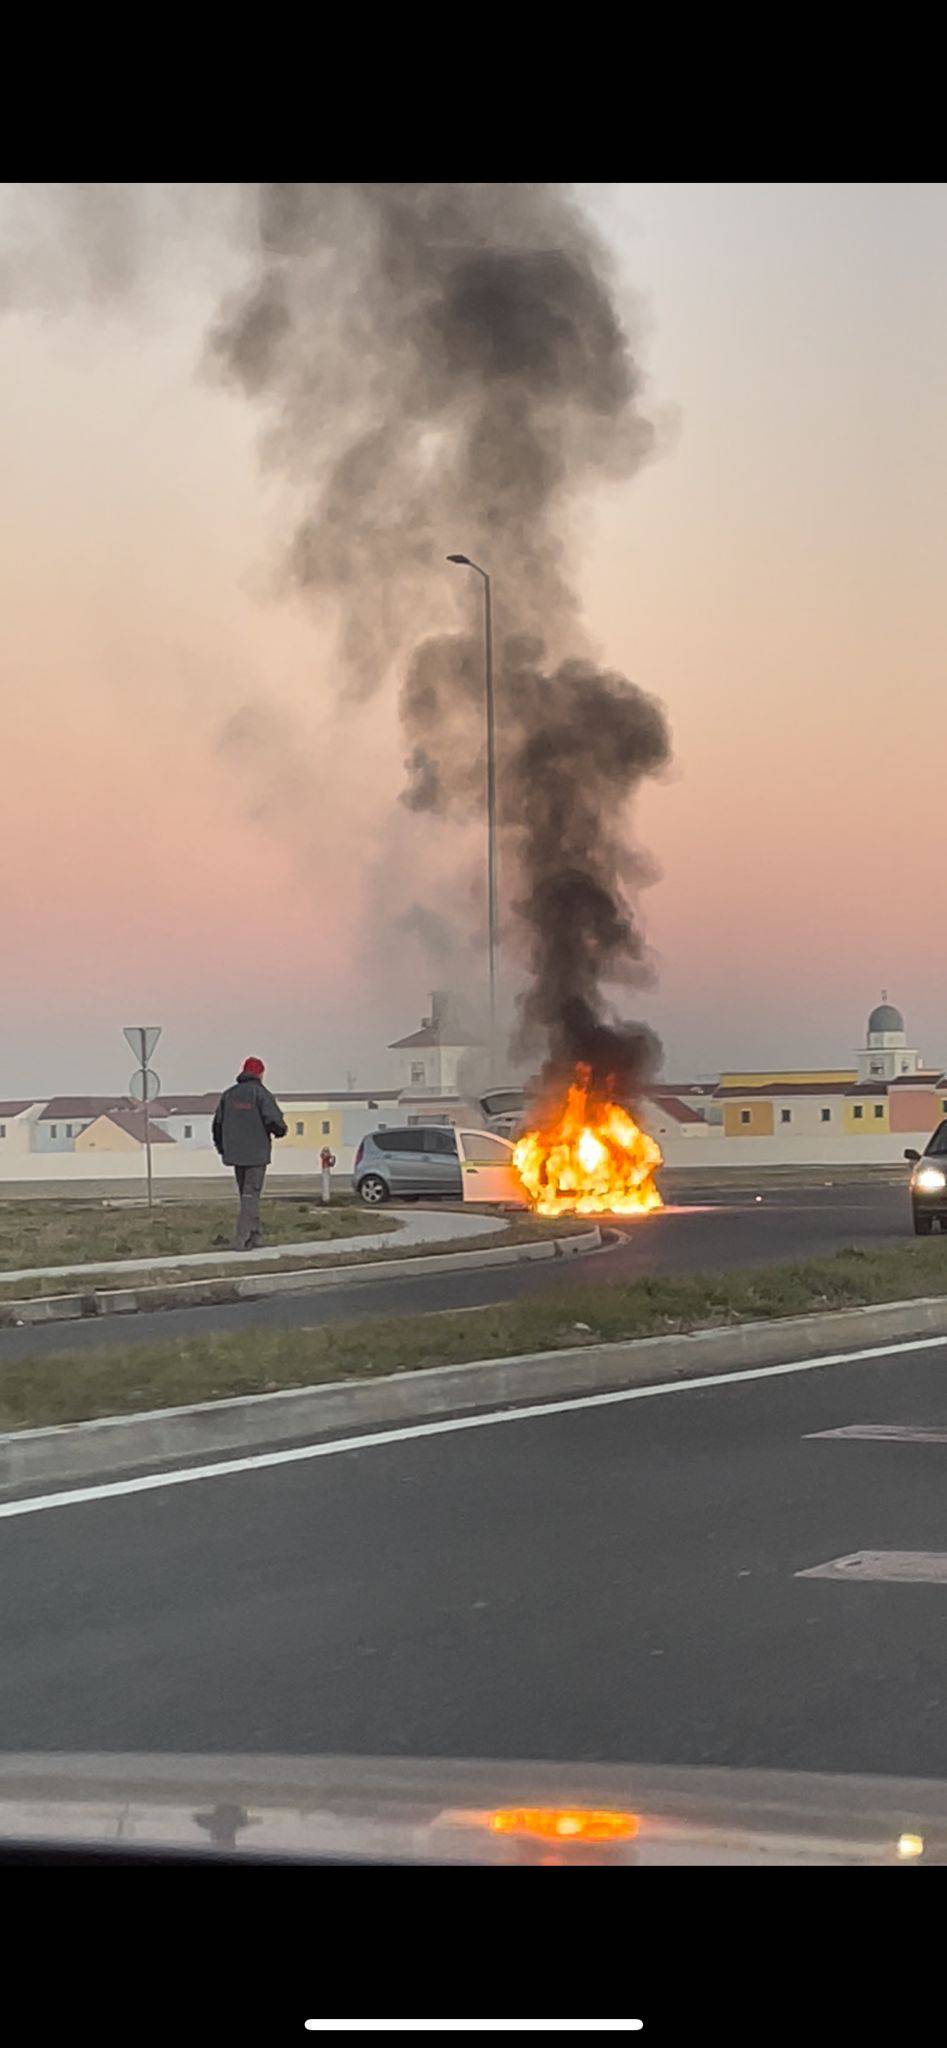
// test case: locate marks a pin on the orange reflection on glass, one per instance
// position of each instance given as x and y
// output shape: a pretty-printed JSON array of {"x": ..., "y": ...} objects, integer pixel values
[{"x": 564, "y": 1824}]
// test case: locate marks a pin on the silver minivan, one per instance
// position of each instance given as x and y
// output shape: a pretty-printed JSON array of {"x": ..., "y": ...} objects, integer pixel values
[{"x": 434, "y": 1159}]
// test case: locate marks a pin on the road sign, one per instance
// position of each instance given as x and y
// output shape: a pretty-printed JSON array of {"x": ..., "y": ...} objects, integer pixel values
[
  {"x": 144, "y": 1085},
  {"x": 151, "y": 1034}
]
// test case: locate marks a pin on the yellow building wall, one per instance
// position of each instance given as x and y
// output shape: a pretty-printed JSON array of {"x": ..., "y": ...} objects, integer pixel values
[
  {"x": 760, "y": 1124},
  {"x": 817, "y": 1074},
  {"x": 312, "y": 1116},
  {"x": 862, "y": 1126},
  {"x": 103, "y": 1136}
]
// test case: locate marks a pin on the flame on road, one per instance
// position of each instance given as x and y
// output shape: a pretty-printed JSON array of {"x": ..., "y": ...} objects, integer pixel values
[{"x": 590, "y": 1159}]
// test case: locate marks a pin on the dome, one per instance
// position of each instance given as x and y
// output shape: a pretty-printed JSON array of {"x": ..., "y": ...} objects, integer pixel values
[{"x": 885, "y": 1018}]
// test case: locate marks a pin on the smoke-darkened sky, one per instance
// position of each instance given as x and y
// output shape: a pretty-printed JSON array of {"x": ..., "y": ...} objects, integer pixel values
[{"x": 194, "y": 833}]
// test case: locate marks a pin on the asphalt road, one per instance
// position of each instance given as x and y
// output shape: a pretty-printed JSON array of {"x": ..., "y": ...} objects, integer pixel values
[
  {"x": 615, "y": 1582},
  {"x": 704, "y": 1235}
]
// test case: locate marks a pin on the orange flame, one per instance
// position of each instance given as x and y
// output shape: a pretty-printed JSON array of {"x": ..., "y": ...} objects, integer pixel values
[
  {"x": 564, "y": 1824},
  {"x": 589, "y": 1159}
]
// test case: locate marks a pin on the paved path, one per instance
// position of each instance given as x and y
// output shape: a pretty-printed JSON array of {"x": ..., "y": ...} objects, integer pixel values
[
  {"x": 617, "y": 1581},
  {"x": 700, "y": 1238},
  {"x": 412, "y": 1226}
]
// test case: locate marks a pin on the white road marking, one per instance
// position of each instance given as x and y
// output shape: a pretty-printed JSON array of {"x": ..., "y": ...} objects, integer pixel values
[
  {"x": 906, "y": 1567},
  {"x": 260, "y": 1461},
  {"x": 885, "y": 1433},
  {"x": 474, "y": 2026}
]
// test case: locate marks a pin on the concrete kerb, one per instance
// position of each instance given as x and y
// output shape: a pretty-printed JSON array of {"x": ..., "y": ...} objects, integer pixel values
[
  {"x": 63, "y": 1308},
  {"x": 267, "y": 1421}
]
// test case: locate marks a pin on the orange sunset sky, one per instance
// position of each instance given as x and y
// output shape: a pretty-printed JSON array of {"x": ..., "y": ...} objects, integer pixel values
[{"x": 775, "y": 577}]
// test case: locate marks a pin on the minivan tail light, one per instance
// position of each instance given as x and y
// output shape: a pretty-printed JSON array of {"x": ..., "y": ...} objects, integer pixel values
[{"x": 358, "y": 1155}]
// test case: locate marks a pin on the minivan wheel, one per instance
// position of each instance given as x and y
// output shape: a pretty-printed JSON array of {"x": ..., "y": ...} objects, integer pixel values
[
  {"x": 372, "y": 1190},
  {"x": 923, "y": 1225}
]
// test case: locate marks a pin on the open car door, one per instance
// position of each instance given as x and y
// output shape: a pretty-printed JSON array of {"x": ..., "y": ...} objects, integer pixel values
[{"x": 487, "y": 1169}]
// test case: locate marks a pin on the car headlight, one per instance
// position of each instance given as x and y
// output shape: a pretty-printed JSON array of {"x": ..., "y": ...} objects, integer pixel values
[{"x": 930, "y": 1180}]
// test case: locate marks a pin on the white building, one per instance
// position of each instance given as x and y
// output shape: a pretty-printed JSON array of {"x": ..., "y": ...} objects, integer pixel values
[
  {"x": 17, "y": 1120},
  {"x": 886, "y": 1055},
  {"x": 56, "y": 1125},
  {"x": 186, "y": 1118},
  {"x": 58, "y": 1122},
  {"x": 429, "y": 1059},
  {"x": 674, "y": 1121}
]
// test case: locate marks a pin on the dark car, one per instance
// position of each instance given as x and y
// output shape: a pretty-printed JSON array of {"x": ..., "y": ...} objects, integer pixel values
[{"x": 929, "y": 1182}]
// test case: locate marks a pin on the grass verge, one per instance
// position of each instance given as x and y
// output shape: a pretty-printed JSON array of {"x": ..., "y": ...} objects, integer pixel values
[
  {"x": 520, "y": 1230},
  {"x": 71, "y": 1386},
  {"x": 49, "y": 1233}
]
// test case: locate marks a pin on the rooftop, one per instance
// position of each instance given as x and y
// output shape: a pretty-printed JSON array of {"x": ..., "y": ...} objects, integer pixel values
[
  {"x": 185, "y": 1105},
  {"x": 440, "y": 1028},
  {"x": 435, "y": 1031},
  {"x": 415, "y": 1098},
  {"x": 299, "y": 1096},
  {"x": 761, "y": 1088},
  {"x": 62, "y": 1107},
  {"x": 132, "y": 1121},
  {"x": 85, "y": 1108},
  {"x": 871, "y": 1086},
  {"x": 671, "y": 1105}
]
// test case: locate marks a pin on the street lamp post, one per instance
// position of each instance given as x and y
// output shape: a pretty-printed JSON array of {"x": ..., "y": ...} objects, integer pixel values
[{"x": 465, "y": 562}]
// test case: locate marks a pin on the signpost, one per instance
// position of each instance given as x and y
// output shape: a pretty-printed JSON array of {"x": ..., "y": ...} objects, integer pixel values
[
  {"x": 144, "y": 1084},
  {"x": 144, "y": 1087}
]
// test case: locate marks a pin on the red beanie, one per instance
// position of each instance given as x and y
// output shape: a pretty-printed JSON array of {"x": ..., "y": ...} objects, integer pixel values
[{"x": 253, "y": 1067}]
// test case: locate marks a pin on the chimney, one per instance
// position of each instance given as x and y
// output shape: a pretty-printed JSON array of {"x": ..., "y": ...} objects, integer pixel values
[{"x": 440, "y": 1006}]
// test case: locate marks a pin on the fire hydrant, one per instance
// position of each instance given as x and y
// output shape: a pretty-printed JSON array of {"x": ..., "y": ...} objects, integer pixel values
[{"x": 328, "y": 1162}]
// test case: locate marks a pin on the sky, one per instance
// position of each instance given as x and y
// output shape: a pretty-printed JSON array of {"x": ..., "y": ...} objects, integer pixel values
[{"x": 773, "y": 575}]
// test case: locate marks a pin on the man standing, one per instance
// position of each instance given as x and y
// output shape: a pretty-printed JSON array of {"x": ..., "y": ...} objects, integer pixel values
[{"x": 246, "y": 1118}]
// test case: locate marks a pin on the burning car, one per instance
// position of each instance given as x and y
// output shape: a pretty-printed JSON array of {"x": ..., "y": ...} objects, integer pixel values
[
  {"x": 586, "y": 1156},
  {"x": 580, "y": 1153}
]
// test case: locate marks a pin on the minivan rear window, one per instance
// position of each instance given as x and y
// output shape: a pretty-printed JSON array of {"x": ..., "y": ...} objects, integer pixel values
[
  {"x": 503, "y": 1102},
  {"x": 399, "y": 1141}
]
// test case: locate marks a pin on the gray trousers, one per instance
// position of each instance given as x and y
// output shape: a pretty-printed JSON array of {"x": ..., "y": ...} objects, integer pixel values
[{"x": 250, "y": 1185}]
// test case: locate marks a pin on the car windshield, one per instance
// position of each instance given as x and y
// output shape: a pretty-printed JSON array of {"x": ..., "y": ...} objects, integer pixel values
[{"x": 474, "y": 656}]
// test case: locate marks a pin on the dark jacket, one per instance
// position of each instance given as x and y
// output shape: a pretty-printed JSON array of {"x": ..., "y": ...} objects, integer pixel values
[{"x": 246, "y": 1118}]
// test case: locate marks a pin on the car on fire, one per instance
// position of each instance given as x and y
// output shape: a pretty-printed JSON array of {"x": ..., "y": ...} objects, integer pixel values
[
  {"x": 929, "y": 1183},
  {"x": 412, "y": 1160}
]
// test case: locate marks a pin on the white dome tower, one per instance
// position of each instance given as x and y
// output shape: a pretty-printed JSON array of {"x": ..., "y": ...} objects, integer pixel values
[{"x": 886, "y": 1054}]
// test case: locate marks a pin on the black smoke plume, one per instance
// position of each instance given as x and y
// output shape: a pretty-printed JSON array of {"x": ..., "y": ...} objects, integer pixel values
[{"x": 444, "y": 368}]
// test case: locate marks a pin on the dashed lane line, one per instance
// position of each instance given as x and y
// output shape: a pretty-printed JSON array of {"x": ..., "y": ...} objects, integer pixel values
[{"x": 901, "y": 1567}]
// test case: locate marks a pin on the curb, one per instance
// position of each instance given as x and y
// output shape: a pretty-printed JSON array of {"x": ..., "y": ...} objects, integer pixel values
[
  {"x": 265, "y": 1421},
  {"x": 123, "y": 1301}
]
